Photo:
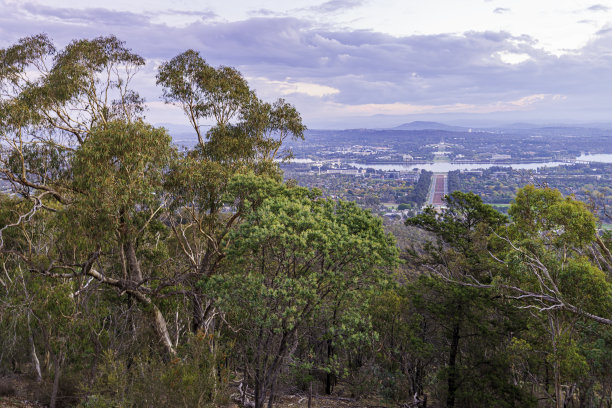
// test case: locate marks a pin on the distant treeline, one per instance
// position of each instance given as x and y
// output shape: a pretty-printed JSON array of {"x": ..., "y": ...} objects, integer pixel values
[
  {"x": 454, "y": 181},
  {"x": 418, "y": 196}
]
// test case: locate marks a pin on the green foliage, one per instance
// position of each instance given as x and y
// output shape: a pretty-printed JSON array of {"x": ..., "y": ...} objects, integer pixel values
[
  {"x": 552, "y": 241},
  {"x": 292, "y": 258},
  {"x": 184, "y": 381},
  {"x": 419, "y": 194},
  {"x": 463, "y": 215},
  {"x": 119, "y": 173},
  {"x": 130, "y": 158},
  {"x": 80, "y": 87},
  {"x": 545, "y": 215},
  {"x": 207, "y": 91}
]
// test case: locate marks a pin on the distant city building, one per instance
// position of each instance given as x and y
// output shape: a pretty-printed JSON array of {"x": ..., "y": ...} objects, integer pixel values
[
  {"x": 350, "y": 172},
  {"x": 497, "y": 156}
]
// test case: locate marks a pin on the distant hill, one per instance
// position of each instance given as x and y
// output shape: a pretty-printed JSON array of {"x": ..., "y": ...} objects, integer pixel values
[
  {"x": 422, "y": 125},
  {"x": 533, "y": 126},
  {"x": 521, "y": 125}
]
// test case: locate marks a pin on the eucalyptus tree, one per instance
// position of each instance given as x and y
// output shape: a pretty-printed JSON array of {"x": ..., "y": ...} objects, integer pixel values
[
  {"x": 469, "y": 320},
  {"x": 50, "y": 100},
  {"x": 106, "y": 230},
  {"x": 55, "y": 101},
  {"x": 550, "y": 254},
  {"x": 293, "y": 258},
  {"x": 559, "y": 260},
  {"x": 553, "y": 263},
  {"x": 119, "y": 172},
  {"x": 61, "y": 111},
  {"x": 549, "y": 260},
  {"x": 246, "y": 136},
  {"x": 104, "y": 197}
]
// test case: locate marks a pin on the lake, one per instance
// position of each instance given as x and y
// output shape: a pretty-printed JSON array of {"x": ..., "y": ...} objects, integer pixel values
[{"x": 445, "y": 166}]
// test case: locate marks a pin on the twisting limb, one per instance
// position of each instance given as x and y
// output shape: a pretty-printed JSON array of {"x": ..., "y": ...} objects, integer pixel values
[
  {"x": 159, "y": 321},
  {"x": 548, "y": 302},
  {"x": 23, "y": 218}
]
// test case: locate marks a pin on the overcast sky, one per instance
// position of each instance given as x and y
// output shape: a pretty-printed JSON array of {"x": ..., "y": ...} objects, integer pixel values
[{"x": 365, "y": 63}]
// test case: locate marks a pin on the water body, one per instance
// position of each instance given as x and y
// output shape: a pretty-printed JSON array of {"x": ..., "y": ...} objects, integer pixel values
[
  {"x": 445, "y": 166},
  {"x": 600, "y": 158},
  {"x": 302, "y": 161}
]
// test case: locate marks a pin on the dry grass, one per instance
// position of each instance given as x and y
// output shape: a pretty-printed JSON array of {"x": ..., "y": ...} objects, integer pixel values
[
  {"x": 14, "y": 402},
  {"x": 301, "y": 401},
  {"x": 16, "y": 392}
]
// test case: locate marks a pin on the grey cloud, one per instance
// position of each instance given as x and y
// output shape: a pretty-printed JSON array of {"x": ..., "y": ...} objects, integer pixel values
[
  {"x": 205, "y": 14},
  {"x": 501, "y": 10},
  {"x": 605, "y": 30},
  {"x": 369, "y": 67},
  {"x": 262, "y": 12},
  {"x": 89, "y": 16},
  {"x": 365, "y": 66},
  {"x": 598, "y": 7},
  {"x": 336, "y": 5}
]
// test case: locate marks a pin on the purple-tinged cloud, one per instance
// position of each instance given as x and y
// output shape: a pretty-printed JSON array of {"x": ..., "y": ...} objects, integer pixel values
[
  {"x": 332, "y": 6},
  {"x": 354, "y": 72},
  {"x": 263, "y": 12},
  {"x": 604, "y": 31},
  {"x": 501, "y": 10},
  {"x": 598, "y": 7},
  {"x": 86, "y": 16},
  {"x": 204, "y": 15}
]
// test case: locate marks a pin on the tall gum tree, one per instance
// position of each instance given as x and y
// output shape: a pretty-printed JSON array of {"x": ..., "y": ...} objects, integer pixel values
[
  {"x": 548, "y": 259},
  {"x": 51, "y": 103},
  {"x": 552, "y": 256},
  {"x": 246, "y": 136},
  {"x": 54, "y": 101},
  {"x": 120, "y": 171},
  {"x": 554, "y": 263},
  {"x": 459, "y": 254},
  {"x": 294, "y": 256}
]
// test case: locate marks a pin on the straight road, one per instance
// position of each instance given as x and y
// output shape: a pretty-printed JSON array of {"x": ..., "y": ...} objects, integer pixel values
[{"x": 438, "y": 189}]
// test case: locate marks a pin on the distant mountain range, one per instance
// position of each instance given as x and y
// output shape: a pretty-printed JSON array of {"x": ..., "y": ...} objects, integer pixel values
[
  {"x": 424, "y": 125},
  {"x": 183, "y": 135}
]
